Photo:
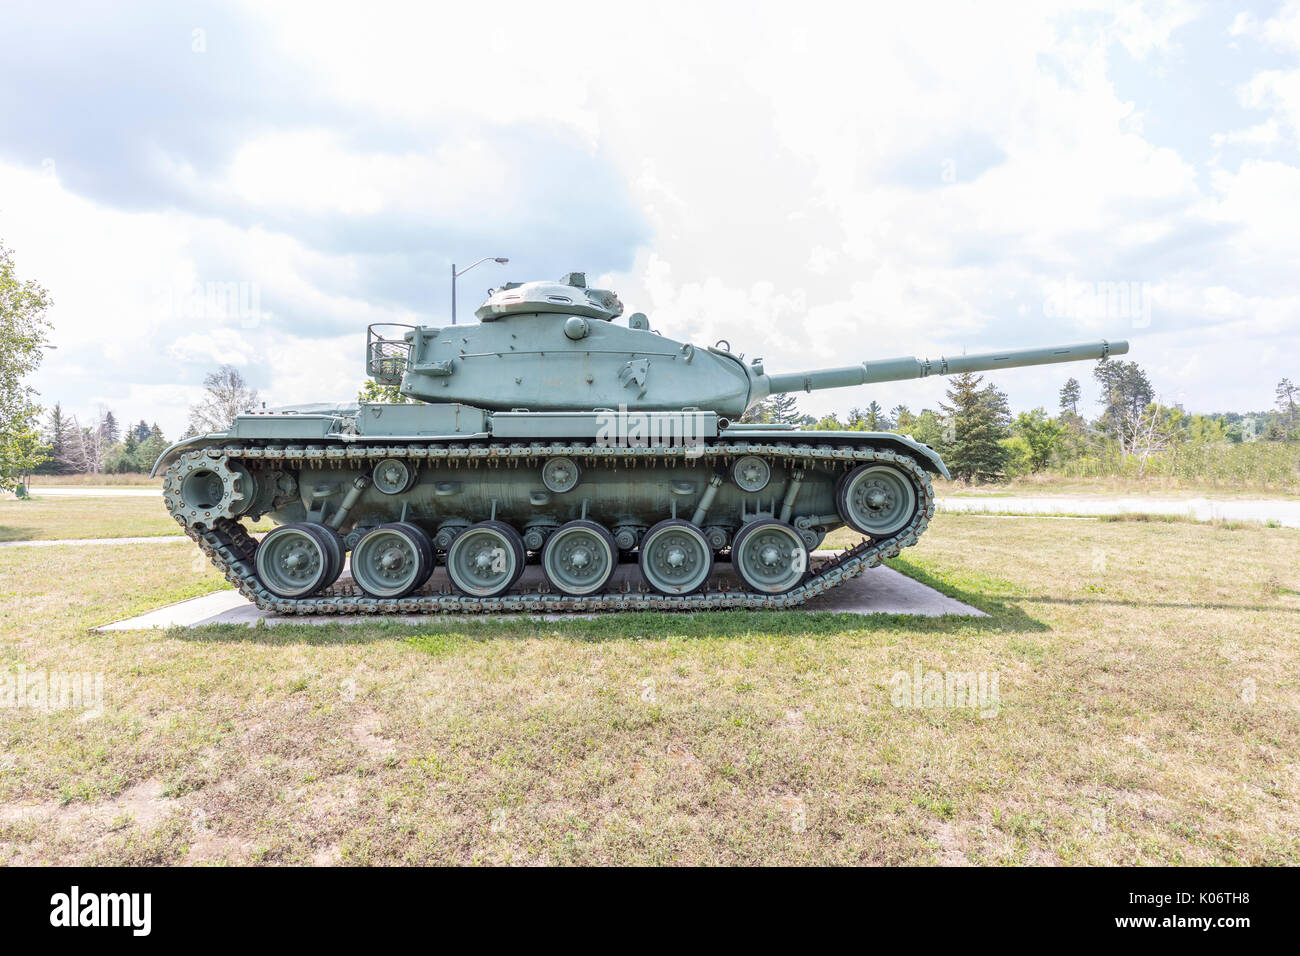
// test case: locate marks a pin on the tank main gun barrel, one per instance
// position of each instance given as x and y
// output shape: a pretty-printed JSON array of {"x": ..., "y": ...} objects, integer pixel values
[{"x": 898, "y": 369}]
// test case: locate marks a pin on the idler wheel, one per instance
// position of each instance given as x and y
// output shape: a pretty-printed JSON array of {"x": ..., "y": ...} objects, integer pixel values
[
  {"x": 393, "y": 560},
  {"x": 675, "y": 557},
  {"x": 770, "y": 556},
  {"x": 580, "y": 558},
  {"x": 297, "y": 560},
  {"x": 876, "y": 500},
  {"x": 486, "y": 559}
]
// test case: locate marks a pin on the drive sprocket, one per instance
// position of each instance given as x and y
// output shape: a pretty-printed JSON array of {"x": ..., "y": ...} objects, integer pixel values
[{"x": 202, "y": 487}]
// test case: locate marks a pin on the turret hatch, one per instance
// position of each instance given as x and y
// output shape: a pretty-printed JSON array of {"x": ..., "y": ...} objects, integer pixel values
[{"x": 569, "y": 296}]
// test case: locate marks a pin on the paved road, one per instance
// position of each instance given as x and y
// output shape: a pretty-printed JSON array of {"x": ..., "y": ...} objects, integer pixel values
[{"x": 1202, "y": 509}]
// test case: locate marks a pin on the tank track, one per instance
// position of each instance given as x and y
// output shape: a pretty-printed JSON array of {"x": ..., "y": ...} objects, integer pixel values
[{"x": 231, "y": 548}]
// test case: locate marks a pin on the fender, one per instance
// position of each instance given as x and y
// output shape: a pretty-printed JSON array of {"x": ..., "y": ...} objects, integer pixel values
[{"x": 925, "y": 456}]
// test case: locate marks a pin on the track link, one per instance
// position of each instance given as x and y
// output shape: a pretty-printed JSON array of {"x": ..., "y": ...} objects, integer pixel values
[{"x": 231, "y": 548}]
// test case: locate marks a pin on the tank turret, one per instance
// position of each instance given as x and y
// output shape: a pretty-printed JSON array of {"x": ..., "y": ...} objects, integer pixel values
[{"x": 553, "y": 346}]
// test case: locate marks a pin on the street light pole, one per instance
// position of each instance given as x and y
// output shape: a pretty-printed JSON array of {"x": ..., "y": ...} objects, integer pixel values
[{"x": 456, "y": 275}]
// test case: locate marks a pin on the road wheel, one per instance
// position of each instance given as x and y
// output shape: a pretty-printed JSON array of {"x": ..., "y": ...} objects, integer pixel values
[
  {"x": 486, "y": 559},
  {"x": 579, "y": 558},
  {"x": 393, "y": 560},
  {"x": 876, "y": 500},
  {"x": 297, "y": 560},
  {"x": 675, "y": 557},
  {"x": 770, "y": 556}
]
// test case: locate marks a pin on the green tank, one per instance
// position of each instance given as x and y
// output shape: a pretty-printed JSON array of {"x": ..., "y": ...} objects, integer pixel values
[{"x": 550, "y": 433}]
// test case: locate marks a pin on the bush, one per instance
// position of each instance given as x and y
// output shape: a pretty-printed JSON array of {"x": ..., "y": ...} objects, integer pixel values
[{"x": 1267, "y": 465}]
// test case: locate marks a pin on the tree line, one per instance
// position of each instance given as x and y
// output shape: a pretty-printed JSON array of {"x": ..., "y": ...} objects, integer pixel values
[
  {"x": 103, "y": 447},
  {"x": 980, "y": 440}
]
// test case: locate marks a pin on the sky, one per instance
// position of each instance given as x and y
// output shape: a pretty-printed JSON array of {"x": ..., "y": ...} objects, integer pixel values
[{"x": 202, "y": 184}]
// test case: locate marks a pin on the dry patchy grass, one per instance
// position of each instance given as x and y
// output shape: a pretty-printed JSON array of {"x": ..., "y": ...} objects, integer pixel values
[
  {"x": 57, "y": 518},
  {"x": 126, "y": 480},
  {"x": 1128, "y": 729}
]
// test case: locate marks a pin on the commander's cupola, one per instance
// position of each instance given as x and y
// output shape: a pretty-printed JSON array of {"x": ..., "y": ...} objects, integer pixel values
[{"x": 570, "y": 296}]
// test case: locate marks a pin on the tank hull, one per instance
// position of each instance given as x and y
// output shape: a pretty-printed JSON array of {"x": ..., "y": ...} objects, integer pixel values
[
  {"x": 789, "y": 483},
  {"x": 612, "y": 494}
]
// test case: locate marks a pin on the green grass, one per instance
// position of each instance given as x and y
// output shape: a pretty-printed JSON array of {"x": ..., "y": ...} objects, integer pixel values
[
  {"x": 127, "y": 480},
  {"x": 58, "y": 518},
  {"x": 1129, "y": 730}
]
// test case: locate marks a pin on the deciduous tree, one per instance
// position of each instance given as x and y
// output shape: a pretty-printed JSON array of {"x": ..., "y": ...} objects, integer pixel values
[
  {"x": 1125, "y": 394},
  {"x": 226, "y": 395},
  {"x": 1041, "y": 435},
  {"x": 23, "y": 330}
]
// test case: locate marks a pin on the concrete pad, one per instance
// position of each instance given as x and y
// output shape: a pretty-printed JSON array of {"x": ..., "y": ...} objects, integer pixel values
[
  {"x": 879, "y": 590},
  {"x": 211, "y": 608},
  {"x": 882, "y": 590}
]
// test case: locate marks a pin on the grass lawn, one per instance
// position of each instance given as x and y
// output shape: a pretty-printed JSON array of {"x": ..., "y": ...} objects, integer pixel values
[
  {"x": 128, "y": 480},
  {"x": 1148, "y": 711},
  {"x": 57, "y": 518}
]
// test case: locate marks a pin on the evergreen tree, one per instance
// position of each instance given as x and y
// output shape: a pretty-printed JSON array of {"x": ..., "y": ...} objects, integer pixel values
[
  {"x": 108, "y": 429},
  {"x": 904, "y": 420},
  {"x": 1070, "y": 396},
  {"x": 121, "y": 458},
  {"x": 141, "y": 431},
  {"x": 57, "y": 440},
  {"x": 785, "y": 409},
  {"x": 150, "y": 449},
  {"x": 1288, "y": 403},
  {"x": 979, "y": 420},
  {"x": 773, "y": 410}
]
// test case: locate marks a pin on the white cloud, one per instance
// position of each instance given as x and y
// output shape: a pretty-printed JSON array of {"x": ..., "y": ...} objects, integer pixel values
[
  {"x": 1147, "y": 27},
  {"x": 844, "y": 183},
  {"x": 314, "y": 171},
  {"x": 1282, "y": 32},
  {"x": 1267, "y": 133},
  {"x": 1274, "y": 90}
]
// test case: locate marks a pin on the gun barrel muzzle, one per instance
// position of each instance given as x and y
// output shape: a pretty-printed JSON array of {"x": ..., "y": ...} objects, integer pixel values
[{"x": 899, "y": 369}]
